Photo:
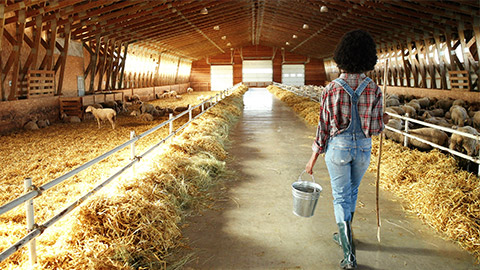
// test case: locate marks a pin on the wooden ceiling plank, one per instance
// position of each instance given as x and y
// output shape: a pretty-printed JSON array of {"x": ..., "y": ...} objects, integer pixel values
[{"x": 22, "y": 5}]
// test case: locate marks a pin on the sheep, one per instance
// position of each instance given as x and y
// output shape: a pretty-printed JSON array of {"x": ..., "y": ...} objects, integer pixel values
[
  {"x": 31, "y": 125},
  {"x": 97, "y": 105},
  {"x": 439, "y": 121},
  {"x": 398, "y": 110},
  {"x": 135, "y": 113},
  {"x": 111, "y": 104},
  {"x": 392, "y": 101},
  {"x": 173, "y": 93},
  {"x": 70, "y": 119},
  {"x": 103, "y": 114},
  {"x": 415, "y": 104},
  {"x": 135, "y": 99},
  {"x": 424, "y": 102},
  {"x": 459, "y": 102},
  {"x": 146, "y": 117},
  {"x": 460, "y": 143},
  {"x": 147, "y": 108},
  {"x": 444, "y": 104},
  {"x": 43, "y": 123},
  {"x": 412, "y": 113},
  {"x": 430, "y": 134},
  {"x": 181, "y": 109},
  {"x": 476, "y": 120},
  {"x": 459, "y": 115},
  {"x": 178, "y": 97},
  {"x": 189, "y": 90},
  {"x": 396, "y": 124}
]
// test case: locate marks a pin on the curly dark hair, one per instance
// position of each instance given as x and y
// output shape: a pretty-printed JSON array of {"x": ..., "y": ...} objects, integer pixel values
[{"x": 356, "y": 52}]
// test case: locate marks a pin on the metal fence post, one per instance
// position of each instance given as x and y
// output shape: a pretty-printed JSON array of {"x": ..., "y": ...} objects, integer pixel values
[
  {"x": 405, "y": 138},
  {"x": 133, "y": 154},
  {"x": 30, "y": 222},
  {"x": 203, "y": 107},
  {"x": 170, "y": 125}
]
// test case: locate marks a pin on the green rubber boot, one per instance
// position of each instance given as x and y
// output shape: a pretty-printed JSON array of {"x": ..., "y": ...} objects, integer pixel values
[
  {"x": 336, "y": 237},
  {"x": 345, "y": 235}
]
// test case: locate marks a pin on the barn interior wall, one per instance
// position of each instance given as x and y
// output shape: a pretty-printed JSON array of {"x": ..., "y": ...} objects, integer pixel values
[
  {"x": 200, "y": 76},
  {"x": 426, "y": 63}
]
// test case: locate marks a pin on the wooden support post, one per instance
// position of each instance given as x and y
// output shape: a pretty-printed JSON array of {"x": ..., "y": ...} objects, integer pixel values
[
  {"x": 93, "y": 60},
  {"x": 51, "y": 45},
  {"x": 17, "y": 51},
  {"x": 406, "y": 66},
  {"x": 122, "y": 66},
  {"x": 448, "y": 41},
  {"x": 63, "y": 57},
  {"x": 2, "y": 26},
  {"x": 466, "y": 54}
]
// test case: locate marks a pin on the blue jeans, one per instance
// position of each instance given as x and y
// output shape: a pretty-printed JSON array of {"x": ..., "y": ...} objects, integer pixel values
[{"x": 347, "y": 158}]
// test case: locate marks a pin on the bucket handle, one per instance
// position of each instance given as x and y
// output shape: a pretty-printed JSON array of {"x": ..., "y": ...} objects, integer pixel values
[{"x": 313, "y": 179}]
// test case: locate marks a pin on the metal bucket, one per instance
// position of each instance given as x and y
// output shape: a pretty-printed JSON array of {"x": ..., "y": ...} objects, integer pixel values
[{"x": 305, "y": 196}]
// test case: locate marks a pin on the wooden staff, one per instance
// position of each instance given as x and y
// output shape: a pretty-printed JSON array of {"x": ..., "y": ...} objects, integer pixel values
[{"x": 377, "y": 183}]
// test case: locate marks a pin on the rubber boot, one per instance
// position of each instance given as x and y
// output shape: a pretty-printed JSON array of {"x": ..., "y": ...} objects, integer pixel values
[
  {"x": 345, "y": 232},
  {"x": 336, "y": 237}
]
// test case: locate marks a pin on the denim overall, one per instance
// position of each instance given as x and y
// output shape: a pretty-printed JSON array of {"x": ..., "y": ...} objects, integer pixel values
[{"x": 347, "y": 158}]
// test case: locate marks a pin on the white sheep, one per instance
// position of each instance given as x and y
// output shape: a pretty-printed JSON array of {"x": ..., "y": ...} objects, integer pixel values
[
  {"x": 146, "y": 117},
  {"x": 31, "y": 125},
  {"x": 189, "y": 90},
  {"x": 103, "y": 114},
  {"x": 173, "y": 93},
  {"x": 70, "y": 119}
]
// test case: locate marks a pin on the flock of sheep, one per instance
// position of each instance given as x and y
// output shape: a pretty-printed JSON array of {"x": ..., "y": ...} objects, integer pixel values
[
  {"x": 456, "y": 114},
  {"x": 108, "y": 110}
]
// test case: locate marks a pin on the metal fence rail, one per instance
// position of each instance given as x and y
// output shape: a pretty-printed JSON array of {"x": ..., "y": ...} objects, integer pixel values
[
  {"x": 407, "y": 135},
  {"x": 36, "y": 230}
]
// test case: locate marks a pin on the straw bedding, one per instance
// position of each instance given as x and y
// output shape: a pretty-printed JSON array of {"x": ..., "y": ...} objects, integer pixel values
[
  {"x": 133, "y": 222},
  {"x": 440, "y": 194}
]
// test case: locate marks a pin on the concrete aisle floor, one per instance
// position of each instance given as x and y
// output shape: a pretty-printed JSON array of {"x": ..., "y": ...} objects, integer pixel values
[{"x": 253, "y": 226}]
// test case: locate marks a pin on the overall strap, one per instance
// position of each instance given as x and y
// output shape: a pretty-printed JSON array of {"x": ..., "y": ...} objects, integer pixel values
[{"x": 354, "y": 94}]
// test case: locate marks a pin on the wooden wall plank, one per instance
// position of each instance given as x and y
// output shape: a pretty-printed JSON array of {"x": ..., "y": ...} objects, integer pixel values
[{"x": 2, "y": 26}]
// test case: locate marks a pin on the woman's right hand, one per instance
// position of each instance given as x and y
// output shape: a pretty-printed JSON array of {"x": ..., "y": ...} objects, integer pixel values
[{"x": 311, "y": 163}]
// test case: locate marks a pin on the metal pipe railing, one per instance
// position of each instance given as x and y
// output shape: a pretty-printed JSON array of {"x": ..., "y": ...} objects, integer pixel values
[{"x": 36, "y": 230}]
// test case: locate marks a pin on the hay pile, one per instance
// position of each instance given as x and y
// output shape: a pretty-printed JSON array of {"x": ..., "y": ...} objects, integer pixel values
[
  {"x": 132, "y": 223},
  {"x": 305, "y": 107},
  {"x": 440, "y": 194}
]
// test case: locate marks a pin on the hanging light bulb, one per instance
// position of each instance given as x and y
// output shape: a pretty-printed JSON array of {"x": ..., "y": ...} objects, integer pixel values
[
  {"x": 324, "y": 9},
  {"x": 305, "y": 26},
  {"x": 204, "y": 11},
  {"x": 216, "y": 27},
  {"x": 224, "y": 37},
  {"x": 294, "y": 36},
  {"x": 287, "y": 43},
  {"x": 229, "y": 44}
]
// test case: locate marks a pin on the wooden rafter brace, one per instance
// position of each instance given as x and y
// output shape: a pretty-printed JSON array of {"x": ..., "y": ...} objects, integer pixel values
[
  {"x": 476, "y": 30},
  {"x": 413, "y": 61},
  {"x": 421, "y": 51},
  {"x": 463, "y": 46},
  {"x": 93, "y": 61},
  {"x": 406, "y": 65},
  {"x": 52, "y": 39},
  {"x": 34, "y": 44},
  {"x": 63, "y": 59},
  {"x": 16, "y": 52},
  {"x": 109, "y": 62},
  {"x": 102, "y": 63},
  {"x": 441, "y": 59},
  {"x": 122, "y": 65},
  {"x": 116, "y": 67},
  {"x": 430, "y": 67}
]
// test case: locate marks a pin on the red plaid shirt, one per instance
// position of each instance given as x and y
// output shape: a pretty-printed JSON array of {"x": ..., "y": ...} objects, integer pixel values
[{"x": 335, "y": 110}]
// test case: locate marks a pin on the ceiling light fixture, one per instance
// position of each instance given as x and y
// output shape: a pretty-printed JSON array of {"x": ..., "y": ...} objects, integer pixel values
[
  {"x": 229, "y": 44},
  {"x": 204, "y": 11},
  {"x": 216, "y": 27},
  {"x": 287, "y": 43},
  {"x": 224, "y": 37},
  {"x": 324, "y": 9},
  {"x": 294, "y": 36},
  {"x": 305, "y": 26}
]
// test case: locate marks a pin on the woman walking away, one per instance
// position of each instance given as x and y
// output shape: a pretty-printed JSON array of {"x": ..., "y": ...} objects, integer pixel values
[{"x": 351, "y": 112}]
